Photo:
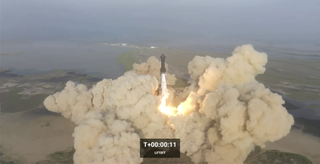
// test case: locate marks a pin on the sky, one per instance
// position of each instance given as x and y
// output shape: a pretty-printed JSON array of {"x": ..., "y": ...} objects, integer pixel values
[{"x": 100, "y": 20}]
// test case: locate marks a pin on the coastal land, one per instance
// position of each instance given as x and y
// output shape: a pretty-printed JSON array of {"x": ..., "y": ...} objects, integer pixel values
[{"x": 32, "y": 134}]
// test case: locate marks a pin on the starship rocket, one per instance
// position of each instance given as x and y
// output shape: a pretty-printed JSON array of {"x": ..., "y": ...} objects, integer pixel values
[{"x": 163, "y": 84}]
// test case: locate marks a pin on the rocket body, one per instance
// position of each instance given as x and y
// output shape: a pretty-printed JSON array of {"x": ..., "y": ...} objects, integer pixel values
[
  {"x": 163, "y": 82},
  {"x": 163, "y": 85},
  {"x": 163, "y": 67}
]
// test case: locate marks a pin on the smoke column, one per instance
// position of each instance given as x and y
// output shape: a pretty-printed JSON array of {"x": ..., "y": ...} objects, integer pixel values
[
  {"x": 163, "y": 85},
  {"x": 223, "y": 113}
]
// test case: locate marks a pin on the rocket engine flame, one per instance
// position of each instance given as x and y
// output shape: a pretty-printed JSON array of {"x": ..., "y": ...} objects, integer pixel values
[
  {"x": 164, "y": 93},
  {"x": 165, "y": 109},
  {"x": 224, "y": 113}
]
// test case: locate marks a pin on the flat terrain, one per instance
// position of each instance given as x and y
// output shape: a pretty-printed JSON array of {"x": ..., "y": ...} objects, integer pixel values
[
  {"x": 298, "y": 79},
  {"x": 28, "y": 137},
  {"x": 31, "y": 134},
  {"x": 31, "y": 90},
  {"x": 299, "y": 143}
]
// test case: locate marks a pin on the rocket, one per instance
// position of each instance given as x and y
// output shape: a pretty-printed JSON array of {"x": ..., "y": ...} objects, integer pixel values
[
  {"x": 163, "y": 82},
  {"x": 163, "y": 76}
]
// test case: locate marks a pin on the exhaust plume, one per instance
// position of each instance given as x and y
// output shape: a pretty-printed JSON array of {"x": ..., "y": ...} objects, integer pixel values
[{"x": 223, "y": 113}]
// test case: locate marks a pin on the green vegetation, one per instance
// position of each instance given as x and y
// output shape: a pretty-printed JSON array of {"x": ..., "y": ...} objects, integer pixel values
[
  {"x": 297, "y": 77},
  {"x": 258, "y": 156},
  {"x": 9, "y": 160},
  {"x": 183, "y": 159},
  {"x": 12, "y": 102},
  {"x": 315, "y": 106},
  {"x": 127, "y": 59},
  {"x": 60, "y": 157},
  {"x": 297, "y": 86},
  {"x": 275, "y": 157},
  {"x": 6, "y": 159},
  {"x": 301, "y": 94},
  {"x": 180, "y": 82}
]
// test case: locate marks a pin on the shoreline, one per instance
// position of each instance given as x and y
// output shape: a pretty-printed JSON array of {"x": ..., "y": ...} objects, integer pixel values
[
  {"x": 19, "y": 124},
  {"x": 298, "y": 142}
]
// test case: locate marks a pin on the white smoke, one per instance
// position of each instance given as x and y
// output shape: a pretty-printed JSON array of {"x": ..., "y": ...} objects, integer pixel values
[
  {"x": 152, "y": 67},
  {"x": 112, "y": 110},
  {"x": 225, "y": 112},
  {"x": 102, "y": 138}
]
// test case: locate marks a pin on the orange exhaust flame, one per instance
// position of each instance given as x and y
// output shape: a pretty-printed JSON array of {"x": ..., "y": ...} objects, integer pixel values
[{"x": 169, "y": 111}]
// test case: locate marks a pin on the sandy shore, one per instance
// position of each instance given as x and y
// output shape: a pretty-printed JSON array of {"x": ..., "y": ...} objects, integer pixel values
[
  {"x": 31, "y": 137},
  {"x": 299, "y": 143}
]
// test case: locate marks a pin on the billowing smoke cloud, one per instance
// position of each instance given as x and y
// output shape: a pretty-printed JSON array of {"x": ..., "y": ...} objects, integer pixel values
[
  {"x": 112, "y": 111},
  {"x": 225, "y": 112},
  {"x": 152, "y": 67}
]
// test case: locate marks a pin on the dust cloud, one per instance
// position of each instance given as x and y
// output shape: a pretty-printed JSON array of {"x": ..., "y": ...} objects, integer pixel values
[{"x": 222, "y": 115}]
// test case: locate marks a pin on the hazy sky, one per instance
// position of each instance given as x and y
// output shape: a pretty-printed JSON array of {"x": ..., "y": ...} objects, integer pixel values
[{"x": 144, "y": 19}]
